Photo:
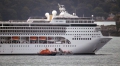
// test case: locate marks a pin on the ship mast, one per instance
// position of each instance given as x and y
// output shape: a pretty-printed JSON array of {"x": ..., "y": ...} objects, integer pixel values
[{"x": 61, "y": 8}]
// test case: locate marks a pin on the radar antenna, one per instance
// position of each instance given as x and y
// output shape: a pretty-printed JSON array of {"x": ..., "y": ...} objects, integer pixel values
[
  {"x": 59, "y": 5},
  {"x": 61, "y": 8}
]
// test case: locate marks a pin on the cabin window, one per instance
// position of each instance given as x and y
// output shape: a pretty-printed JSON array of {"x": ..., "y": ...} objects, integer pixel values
[
  {"x": 6, "y": 25},
  {"x": 85, "y": 21},
  {"x": 0, "y": 24},
  {"x": 90, "y": 38},
  {"x": 89, "y": 21}
]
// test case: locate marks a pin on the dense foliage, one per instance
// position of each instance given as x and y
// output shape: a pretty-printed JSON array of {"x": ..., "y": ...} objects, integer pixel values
[{"x": 22, "y": 9}]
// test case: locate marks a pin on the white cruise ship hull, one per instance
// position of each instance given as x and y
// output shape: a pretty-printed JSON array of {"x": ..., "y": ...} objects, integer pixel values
[{"x": 75, "y": 48}]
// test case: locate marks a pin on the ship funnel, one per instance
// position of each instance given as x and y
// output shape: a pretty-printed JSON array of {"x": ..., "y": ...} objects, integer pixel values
[{"x": 47, "y": 15}]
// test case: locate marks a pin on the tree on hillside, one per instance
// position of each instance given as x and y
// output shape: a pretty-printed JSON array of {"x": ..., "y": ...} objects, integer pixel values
[
  {"x": 0, "y": 17},
  {"x": 25, "y": 12},
  {"x": 22, "y": 9},
  {"x": 98, "y": 11},
  {"x": 115, "y": 9},
  {"x": 117, "y": 20},
  {"x": 9, "y": 14}
]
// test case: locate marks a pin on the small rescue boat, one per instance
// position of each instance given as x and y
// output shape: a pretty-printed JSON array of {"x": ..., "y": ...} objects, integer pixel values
[
  {"x": 33, "y": 38},
  {"x": 15, "y": 38}
]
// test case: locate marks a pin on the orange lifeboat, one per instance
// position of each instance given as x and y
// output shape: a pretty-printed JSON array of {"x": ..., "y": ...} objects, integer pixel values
[
  {"x": 45, "y": 52},
  {"x": 15, "y": 38},
  {"x": 42, "y": 38},
  {"x": 33, "y": 38}
]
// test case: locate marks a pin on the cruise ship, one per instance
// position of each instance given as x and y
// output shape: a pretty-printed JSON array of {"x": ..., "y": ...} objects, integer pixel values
[{"x": 56, "y": 34}]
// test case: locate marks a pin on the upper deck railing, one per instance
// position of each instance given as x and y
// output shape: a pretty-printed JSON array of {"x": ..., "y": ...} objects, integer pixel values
[{"x": 14, "y": 21}]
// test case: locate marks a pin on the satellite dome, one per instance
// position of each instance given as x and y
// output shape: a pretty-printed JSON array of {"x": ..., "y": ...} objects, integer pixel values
[
  {"x": 47, "y": 14},
  {"x": 54, "y": 12}
]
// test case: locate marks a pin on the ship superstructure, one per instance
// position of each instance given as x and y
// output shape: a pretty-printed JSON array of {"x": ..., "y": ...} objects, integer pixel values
[{"x": 63, "y": 33}]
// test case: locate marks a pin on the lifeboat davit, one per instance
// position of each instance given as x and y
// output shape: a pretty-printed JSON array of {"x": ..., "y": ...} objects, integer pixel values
[
  {"x": 33, "y": 38},
  {"x": 42, "y": 38},
  {"x": 15, "y": 38},
  {"x": 49, "y": 38}
]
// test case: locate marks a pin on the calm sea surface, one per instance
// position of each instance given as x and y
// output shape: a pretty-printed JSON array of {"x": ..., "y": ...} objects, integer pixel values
[{"x": 109, "y": 55}]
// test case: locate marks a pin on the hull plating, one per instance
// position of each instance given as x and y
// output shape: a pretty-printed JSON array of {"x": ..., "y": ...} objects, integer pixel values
[{"x": 79, "y": 48}]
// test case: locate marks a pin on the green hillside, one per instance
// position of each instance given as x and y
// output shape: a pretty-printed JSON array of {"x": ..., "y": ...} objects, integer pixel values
[{"x": 22, "y": 9}]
